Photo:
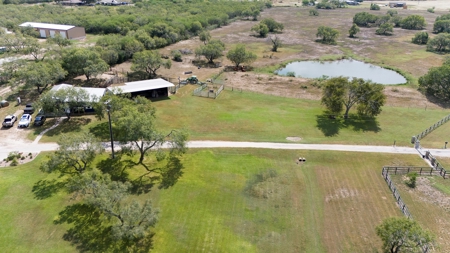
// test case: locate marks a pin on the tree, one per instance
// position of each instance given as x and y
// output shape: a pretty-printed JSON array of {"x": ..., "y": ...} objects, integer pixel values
[
  {"x": 441, "y": 26},
  {"x": 59, "y": 40},
  {"x": 34, "y": 47},
  {"x": 439, "y": 43},
  {"x": 261, "y": 29},
  {"x": 403, "y": 235},
  {"x": 437, "y": 82},
  {"x": 420, "y": 38},
  {"x": 276, "y": 43},
  {"x": 396, "y": 21},
  {"x": 385, "y": 29},
  {"x": 149, "y": 62},
  {"x": 305, "y": 2},
  {"x": 83, "y": 61},
  {"x": 134, "y": 123},
  {"x": 413, "y": 22},
  {"x": 353, "y": 31},
  {"x": 74, "y": 155},
  {"x": 339, "y": 92},
  {"x": 41, "y": 74},
  {"x": 110, "y": 57},
  {"x": 374, "y": 7},
  {"x": 239, "y": 55},
  {"x": 313, "y": 12},
  {"x": 327, "y": 34},
  {"x": 205, "y": 37},
  {"x": 54, "y": 102},
  {"x": 273, "y": 25},
  {"x": 364, "y": 19},
  {"x": 392, "y": 13},
  {"x": 211, "y": 51}
]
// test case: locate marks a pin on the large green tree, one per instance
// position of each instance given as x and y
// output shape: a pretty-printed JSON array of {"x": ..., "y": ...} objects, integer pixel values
[
  {"x": 327, "y": 34},
  {"x": 420, "y": 38},
  {"x": 437, "y": 82},
  {"x": 273, "y": 25},
  {"x": 135, "y": 127},
  {"x": 55, "y": 102},
  {"x": 440, "y": 43},
  {"x": 74, "y": 155},
  {"x": 211, "y": 51},
  {"x": 340, "y": 92},
  {"x": 403, "y": 235},
  {"x": 239, "y": 55},
  {"x": 149, "y": 62},
  {"x": 83, "y": 61},
  {"x": 41, "y": 74}
]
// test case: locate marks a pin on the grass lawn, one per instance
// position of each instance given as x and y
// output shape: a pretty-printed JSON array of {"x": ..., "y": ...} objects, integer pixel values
[
  {"x": 26, "y": 220},
  {"x": 251, "y": 116},
  {"x": 437, "y": 138},
  {"x": 231, "y": 201}
]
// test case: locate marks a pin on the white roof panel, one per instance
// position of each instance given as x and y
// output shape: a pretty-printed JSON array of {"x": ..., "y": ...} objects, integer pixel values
[
  {"x": 47, "y": 26},
  {"x": 94, "y": 93},
  {"x": 144, "y": 85}
]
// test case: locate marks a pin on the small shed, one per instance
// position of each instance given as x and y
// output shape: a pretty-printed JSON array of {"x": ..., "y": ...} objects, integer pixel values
[
  {"x": 154, "y": 88},
  {"x": 50, "y": 30}
]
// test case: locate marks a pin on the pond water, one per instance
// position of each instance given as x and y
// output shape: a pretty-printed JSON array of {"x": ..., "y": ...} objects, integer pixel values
[{"x": 347, "y": 68}]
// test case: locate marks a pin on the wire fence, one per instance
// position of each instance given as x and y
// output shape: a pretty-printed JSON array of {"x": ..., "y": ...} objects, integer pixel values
[{"x": 208, "y": 91}]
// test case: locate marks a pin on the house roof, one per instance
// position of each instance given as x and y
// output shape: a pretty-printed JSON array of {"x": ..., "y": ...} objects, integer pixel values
[
  {"x": 94, "y": 93},
  {"x": 144, "y": 85},
  {"x": 47, "y": 26}
]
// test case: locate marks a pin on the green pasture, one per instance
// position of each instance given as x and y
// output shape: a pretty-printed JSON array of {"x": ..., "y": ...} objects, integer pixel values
[
  {"x": 229, "y": 200},
  {"x": 438, "y": 137},
  {"x": 248, "y": 116}
]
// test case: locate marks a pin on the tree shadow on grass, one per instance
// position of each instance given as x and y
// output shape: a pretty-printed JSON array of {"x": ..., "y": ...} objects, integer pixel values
[
  {"x": 43, "y": 189},
  {"x": 331, "y": 126},
  {"x": 116, "y": 168},
  {"x": 88, "y": 233},
  {"x": 101, "y": 131},
  {"x": 69, "y": 126}
]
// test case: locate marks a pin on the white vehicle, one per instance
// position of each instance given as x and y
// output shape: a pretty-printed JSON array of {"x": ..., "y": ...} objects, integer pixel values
[
  {"x": 9, "y": 121},
  {"x": 25, "y": 120}
]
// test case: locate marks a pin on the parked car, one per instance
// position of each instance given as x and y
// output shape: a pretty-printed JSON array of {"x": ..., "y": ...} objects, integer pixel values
[
  {"x": 28, "y": 109},
  {"x": 25, "y": 120},
  {"x": 9, "y": 121},
  {"x": 39, "y": 120}
]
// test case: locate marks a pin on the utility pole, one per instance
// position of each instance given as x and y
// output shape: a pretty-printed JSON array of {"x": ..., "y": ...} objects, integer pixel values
[{"x": 108, "y": 109}]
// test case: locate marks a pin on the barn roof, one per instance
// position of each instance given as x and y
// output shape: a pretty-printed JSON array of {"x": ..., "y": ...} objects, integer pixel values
[
  {"x": 94, "y": 93},
  {"x": 144, "y": 85},
  {"x": 47, "y": 26}
]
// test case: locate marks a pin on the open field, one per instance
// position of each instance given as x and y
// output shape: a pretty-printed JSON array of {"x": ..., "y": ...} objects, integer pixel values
[
  {"x": 233, "y": 201},
  {"x": 437, "y": 138},
  {"x": 248, "y": 116}
]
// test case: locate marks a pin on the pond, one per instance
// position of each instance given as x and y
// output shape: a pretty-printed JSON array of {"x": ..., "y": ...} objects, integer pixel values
[{"x": 347, "y": 68}]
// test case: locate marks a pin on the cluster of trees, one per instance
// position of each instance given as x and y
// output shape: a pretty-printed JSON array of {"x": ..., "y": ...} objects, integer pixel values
[
  {"x": 331, "y": 4},
  {"x": 266, "y": 26},
  {"x": 341, "y": 94},
  {"x": 388, "y": 21},
  {"x": 105, "y": 188},
  {"x": 162, "y": 20},
  {"x": 437, "y": 81}
]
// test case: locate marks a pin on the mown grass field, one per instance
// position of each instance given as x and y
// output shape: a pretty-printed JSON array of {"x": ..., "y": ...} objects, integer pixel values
[
  {"x": 437, "y": 138},
  {"x": 251, "y": 116},
  {"x": 232, "y": 200}
]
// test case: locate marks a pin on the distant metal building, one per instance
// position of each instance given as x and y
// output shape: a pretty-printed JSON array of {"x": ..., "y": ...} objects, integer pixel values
[
  {"x": 50, "y": 30},
  {"x": 397, "y": 4}
]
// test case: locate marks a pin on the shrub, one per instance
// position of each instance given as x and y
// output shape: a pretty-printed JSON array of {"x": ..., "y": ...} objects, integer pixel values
[
  {"x": 439, "y": 43},
  {"x": 313, "y": 12},
  {"x": 14, "y": 162},
  {"x": 327, "y": 34},
  {"x": 396, "y": 21},
  {"x": 431, "y": 10},
  {"x": 413, "y": 22},
  {"x": 12, "y": 155},
  {"x": 412, "y": 178},
  {"x": 305, "y": 2},
  {"x": 374, "y": 7},
  {"x": 364, "y": 19},
  {"x": 176, "y": 55},
  {"x": 290, "y": 74},
  {"x": 392, "y": 13},
  {"x": 353, "y": 30},
  {"x": 385, "y": 29},
  {"x": 441, "y": 26},
  {"x": 420, "y": 38}
]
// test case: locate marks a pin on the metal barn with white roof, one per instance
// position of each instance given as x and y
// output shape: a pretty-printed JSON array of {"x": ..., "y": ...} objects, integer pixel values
[
  {"x": 153, "y": 88},
  {"x": 50, "y": 30}
]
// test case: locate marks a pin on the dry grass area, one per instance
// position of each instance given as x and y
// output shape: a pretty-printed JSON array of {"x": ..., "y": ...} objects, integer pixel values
[{"x": 298, "y": 39}]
